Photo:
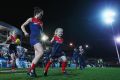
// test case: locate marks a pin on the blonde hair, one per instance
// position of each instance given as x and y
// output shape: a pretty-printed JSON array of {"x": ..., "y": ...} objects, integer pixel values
[{"x": 56, "y": 30}]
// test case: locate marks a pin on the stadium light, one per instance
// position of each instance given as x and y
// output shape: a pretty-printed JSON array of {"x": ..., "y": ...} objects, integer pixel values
[
  {"x": 117, "y": 39},
  {"x": 108, "y": 16},
  {"x": 87, "y": 46},
  {"x": 71, "y": 44},
  {"x": 44, "y": 37}
]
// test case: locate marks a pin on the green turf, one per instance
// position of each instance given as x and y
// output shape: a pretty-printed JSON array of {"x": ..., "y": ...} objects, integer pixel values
[{"x": 74, "y": 74}]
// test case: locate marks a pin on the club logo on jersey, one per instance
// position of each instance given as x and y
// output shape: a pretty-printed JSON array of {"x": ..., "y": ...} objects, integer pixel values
[{"x": 37, "y": 21}]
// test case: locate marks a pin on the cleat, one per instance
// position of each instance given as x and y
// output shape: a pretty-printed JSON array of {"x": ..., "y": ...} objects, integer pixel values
[
  {"x": 65, "y": 73},
  {"x": 45, "y": 73},
  {"x": 32, "y": 73}
]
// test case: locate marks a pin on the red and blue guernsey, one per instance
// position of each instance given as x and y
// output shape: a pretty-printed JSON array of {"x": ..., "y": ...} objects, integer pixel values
[
  {"x": 13, "y": 38},
  {"x": 56, "y": 47},
  {"x": 36, "y": 29}
]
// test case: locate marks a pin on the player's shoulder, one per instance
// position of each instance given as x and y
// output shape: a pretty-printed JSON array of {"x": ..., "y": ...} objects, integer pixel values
[
  {"x": 29, "y": 19},
  {"x": 55, "y": 36}
]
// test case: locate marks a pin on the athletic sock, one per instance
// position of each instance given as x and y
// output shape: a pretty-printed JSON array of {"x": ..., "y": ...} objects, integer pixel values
[
  {"x": 64, "y": 64},
  {"x": 47, "y": 66}
]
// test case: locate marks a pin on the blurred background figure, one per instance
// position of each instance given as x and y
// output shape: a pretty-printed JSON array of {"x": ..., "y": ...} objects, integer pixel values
[
  {"x": 81, "y": 58},
  {"x": 100, "y": 63},
  {"x": 20, "y": 56},
  {"x": 75, "y": 57}
]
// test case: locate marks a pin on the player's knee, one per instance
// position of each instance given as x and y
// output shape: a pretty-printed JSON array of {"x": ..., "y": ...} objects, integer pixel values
[
  {"x": 64, "y": 58},
  {"x": 51, "y": 60},
  {"x": 39, "y": 49},
  {"x": 40, "y": 53},
  {"x": 13, "y": 60}
]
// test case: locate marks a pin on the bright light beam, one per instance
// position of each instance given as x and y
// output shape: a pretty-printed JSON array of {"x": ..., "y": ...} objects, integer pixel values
[
  {"x": 117, "y": 39},
  {"x": 108, "y": 16},
  {"x": 86, "y": 46},
  {"x": 44, "y": 37},
  {"x": 71, "y": 44}
]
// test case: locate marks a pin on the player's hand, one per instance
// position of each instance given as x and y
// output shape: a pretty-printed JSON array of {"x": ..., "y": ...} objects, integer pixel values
[
  {"x": 58, "y": 42},
  {"x": 26, "y": 34},
  {"x": 49, "y": 43}
]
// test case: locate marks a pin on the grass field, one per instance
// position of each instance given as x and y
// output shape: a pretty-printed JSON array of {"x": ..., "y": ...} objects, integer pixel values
[{"x": 74, "y": 74}]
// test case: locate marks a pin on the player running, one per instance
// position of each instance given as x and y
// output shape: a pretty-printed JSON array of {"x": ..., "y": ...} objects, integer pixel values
[
  {"x": 56, "y": 52},
  {"x": 36, "y": 27}
]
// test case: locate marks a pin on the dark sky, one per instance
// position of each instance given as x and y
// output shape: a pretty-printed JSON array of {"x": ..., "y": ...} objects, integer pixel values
[{"x": 80, "y": 19}]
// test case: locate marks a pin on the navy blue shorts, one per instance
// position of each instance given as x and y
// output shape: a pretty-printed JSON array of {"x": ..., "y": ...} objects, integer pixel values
[
  {"x": 12, "y": 48},
  {"x": 33, "y": 41},
  {"x": 56, "y": 51}
]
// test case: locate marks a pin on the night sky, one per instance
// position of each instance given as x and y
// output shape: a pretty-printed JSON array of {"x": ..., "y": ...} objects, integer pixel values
[{"x": 80, "y": 19}]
